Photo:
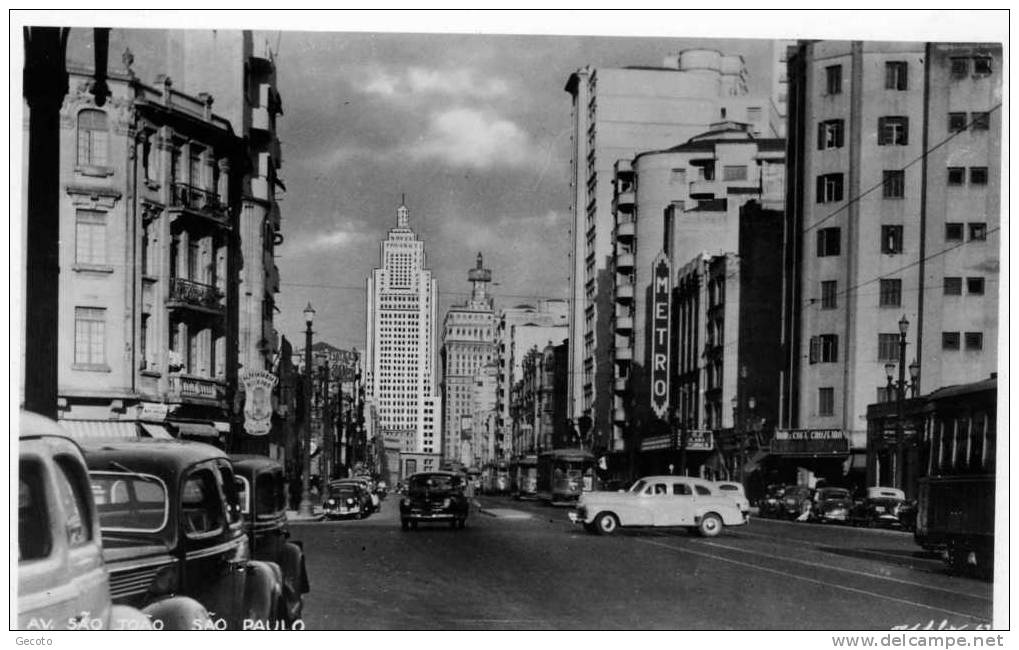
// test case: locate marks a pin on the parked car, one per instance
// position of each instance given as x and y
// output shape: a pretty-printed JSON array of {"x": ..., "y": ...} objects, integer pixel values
[
  {"x": 734, "y": 490},
  {"x": 796, "y": 502},
  {"x": 63, "y": 581},
  {"x": 171, "y": 524},
  {"x": 434, "y": 496},
  {"x": 261, "y": 490},
  {"x": 346, "y": 499},
  {"x": 831, "y": 504},
  {"x": 882, "y": 507},
  {"x": 368, "y": 486},
  {"x": 771, "y": 504},
  {"x": 660, "y": 501}
]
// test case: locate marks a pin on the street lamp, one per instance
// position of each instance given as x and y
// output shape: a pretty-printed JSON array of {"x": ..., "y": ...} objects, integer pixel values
[
  {"x": 900, "y": 386},
  {"x": 305, "y": 507}
]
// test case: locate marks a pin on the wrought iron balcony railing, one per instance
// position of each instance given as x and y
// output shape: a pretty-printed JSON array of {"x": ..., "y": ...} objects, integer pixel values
[{"x": 195, "y": 294}]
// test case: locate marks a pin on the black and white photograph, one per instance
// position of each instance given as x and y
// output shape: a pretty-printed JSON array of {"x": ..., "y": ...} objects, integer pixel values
[{"x": 462, "y": 321}]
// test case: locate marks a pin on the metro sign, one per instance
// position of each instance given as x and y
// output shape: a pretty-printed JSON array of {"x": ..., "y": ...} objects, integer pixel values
[{"x": 660, "y": 316}]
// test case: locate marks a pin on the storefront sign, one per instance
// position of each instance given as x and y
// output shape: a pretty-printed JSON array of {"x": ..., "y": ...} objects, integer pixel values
[
  {"x": 258, "y": 387},
  {"x": 152, "y": 411},
  {"x": 700, "y": 440},
  {"x": 660, "y": 293},
  {"x": 810, "y": 441}
]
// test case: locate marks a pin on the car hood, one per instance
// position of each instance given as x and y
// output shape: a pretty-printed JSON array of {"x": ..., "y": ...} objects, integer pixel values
[{"x": 836, "y": 502}]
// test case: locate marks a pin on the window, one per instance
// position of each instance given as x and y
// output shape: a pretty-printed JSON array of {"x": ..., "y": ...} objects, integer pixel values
[
  {"x": 891, "y": 240},
  {"x": 953, "y": 231},
  {"x": 895, "y": 75},
  {"x": 975, "y": 286},
  {"x": 953, "y": 286},
  {"x": 978, "y": 231},
  {"x": 826, "y": 401},
  {"x": 887, "y": 347},
  {"x": 974, "y": 340},
  {"x": 956, "y": 122},
  {"x": 949, "y": 340},
  {"x": 829, "y": 348},
  {"x": 829, "y": 294},
  {"x": 894, "y": 184},
  {"x": 960, "y": 66},
  {"x": 92, "y": 138},
  {"x": 201, "y": 509},
  {"x": 34, "y": 536},
  {"x": 830, "y": 134},
  {"x": 72, "y": 487},
  {"x": 828, "y": 242},
  {"x": 978, "y": 175},
  {"x": 980, "y": 121},
  {"x": 893, "y": 130},
  {"x": 681, "y": 489},
  {"x": 89, "y": 336},
  {"x": 90, "y": 237},
  {"x": 956, "y": 175},
  {"x": 982, "y": 65},
  {"x": 833, "y": 79},
  {"x": 734, "y": 172},
  {"x": 885, "y": 394},
  {"x": 891, "y": 293},
  {"x": 829, "y": 188},
  {"x": 702, "y": 490}
]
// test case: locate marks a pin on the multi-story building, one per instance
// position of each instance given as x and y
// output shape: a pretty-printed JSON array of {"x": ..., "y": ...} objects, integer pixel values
[
  {"x": 400, "y": 380},
  {"x": 468, "y": 344},
  {"x": 521, "y": 328},
  {"x": 893, "y": 200},
  {"x": 539, "y": 407},
  {"x": 671, "y": 207},
  {"x": 616, "y": 113},
  {"x": 151, "y": 184},
  {"x": 484, "y": 416}
]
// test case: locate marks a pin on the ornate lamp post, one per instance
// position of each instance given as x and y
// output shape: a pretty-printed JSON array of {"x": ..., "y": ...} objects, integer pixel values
[
  {"x": 305, "y": 507},
  {"x": 900, "y": 386}
]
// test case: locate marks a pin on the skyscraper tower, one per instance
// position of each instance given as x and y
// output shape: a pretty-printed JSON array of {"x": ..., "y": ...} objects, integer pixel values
[
  {"x": 399, "y": 360},
  {"x": 468, "y": 344}
]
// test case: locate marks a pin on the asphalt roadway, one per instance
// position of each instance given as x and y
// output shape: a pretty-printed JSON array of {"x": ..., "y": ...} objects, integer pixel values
[{"x": 523, "y": 565}]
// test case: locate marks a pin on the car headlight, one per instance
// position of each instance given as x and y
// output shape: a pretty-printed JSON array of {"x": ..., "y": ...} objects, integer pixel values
[
  {"x": 330, "y": 502},
  {"x": 446, "y": 503},
  {"x": 350, "y": 502}
]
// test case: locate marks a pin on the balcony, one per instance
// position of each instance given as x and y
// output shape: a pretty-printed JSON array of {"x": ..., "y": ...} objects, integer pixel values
[
  {"x": 199, "y": 202},
  {"x": 624, "y": 354},
  {"x": 624, "y": 293},
  {"x": 624, "y": 323},
  {"x": 625, "y": 231},
  {"x": 703, "y": 189},
  {"x": 192, "y": 388},
  {"x": 621, "y": 384},
  {"x": 624, "y": 201},
  {"x": 195, "y": 295},
  {"x": 260, "y": 119},
  {"x": 619, "y": 415},
  {"x": 624, "y": 262}
]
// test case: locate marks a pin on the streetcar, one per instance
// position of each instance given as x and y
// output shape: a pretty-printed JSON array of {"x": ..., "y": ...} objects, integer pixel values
[
  {"x": 497, "y": 478},
  {"x": 955, "y": 508},
  {"x": 563, "y": 474},
  {"x": 524, "y": 477}
]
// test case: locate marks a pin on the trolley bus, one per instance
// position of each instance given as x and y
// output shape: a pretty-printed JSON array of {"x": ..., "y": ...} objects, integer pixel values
[
  {"x": 955, "y": 506},
  {"x": 524, "y": 477},
  {"x": 563, "y": 474}
]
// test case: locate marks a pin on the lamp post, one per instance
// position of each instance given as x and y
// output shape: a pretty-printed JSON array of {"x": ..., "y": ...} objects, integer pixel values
[
  {"x": 305, "y": 507},
  {"x": 900, "y": 386}
]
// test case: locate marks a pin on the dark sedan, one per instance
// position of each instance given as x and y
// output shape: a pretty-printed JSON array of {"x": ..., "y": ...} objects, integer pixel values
[
  {"x": 832, "y": 504},
  {"x": 434, "y": 496}
]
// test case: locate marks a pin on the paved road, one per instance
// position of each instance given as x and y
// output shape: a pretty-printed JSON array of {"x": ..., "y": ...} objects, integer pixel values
[{"x": 524, "y": 566}]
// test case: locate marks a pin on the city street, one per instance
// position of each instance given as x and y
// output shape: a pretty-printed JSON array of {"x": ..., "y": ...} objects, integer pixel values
[{"x": 522, "y": 565}]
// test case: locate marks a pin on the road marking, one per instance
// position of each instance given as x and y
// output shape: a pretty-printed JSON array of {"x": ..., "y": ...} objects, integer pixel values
[
  {"x": 835, "y": 568},
  {"x": 815, "y": 581}
]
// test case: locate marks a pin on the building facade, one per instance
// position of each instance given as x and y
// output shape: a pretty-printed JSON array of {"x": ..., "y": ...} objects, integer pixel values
[
  {"x": 893, "y": 203},
  {"x": 400, "y": 377},
  {"x": 468, "y": 344},
  {"x": 616, "y": 113}
]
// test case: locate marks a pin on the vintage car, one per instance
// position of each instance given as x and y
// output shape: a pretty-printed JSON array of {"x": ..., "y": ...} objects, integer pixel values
[
  {"x": 831, "y": 504},
  {"x": 734, "y": 490},
  {"x": 659, "y": 501},
  {"x": 261, "y": 490},
  {"x": 346, "y": 499},
  {"x": 171, "y": 524},
  {"x": 434, "y": 496},
  {"x": 796, "y": 502},
  {"x": 882, "y": 507},
  {"x": 771, "y": 504},
  {"x": 63, "y": 582},
  {"x": 368, "y": 487}
]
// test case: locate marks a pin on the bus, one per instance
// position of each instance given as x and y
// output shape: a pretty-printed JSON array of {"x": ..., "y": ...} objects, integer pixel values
[
  {"x": 564, "y": 473},
  {"x": 955, "y": 497},
  {"x": 524, "y": 477}
]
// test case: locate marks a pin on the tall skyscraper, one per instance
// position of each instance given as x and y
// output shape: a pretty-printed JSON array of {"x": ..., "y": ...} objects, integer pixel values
[
  {"x": 400, "y": 380},
  {"x": 468, "y": 343}
]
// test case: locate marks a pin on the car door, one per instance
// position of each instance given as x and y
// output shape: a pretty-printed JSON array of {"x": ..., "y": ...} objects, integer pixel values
[{"x": 677, "y": 506}]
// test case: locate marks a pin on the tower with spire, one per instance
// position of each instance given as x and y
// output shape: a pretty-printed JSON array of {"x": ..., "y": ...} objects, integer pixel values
[{"x": 468, "y": 347}]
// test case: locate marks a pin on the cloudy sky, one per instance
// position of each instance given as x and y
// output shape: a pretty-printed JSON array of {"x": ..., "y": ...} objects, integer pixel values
[{"x": 473, "y": 129}]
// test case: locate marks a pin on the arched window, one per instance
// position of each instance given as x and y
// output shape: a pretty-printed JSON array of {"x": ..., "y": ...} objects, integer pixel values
[{"x": 92, "y": 138}]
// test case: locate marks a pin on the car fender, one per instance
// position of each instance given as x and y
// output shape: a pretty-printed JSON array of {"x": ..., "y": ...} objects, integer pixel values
[
  {"x": 178, "y": 613},
  {"x": 293, "y": 568},
  {"x": 263, "y": 588}
]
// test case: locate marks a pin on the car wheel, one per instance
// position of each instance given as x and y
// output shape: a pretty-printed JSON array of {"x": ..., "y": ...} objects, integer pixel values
[
  {"x": 606, "y": 523},
  {"x": 710, "y": 525}
]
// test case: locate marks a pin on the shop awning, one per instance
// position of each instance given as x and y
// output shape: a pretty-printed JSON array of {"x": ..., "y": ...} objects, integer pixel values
[
  {"x": 196, "y": 429},
  {"x": 100, "y": 429},
  {"x": 155, "y": 430}
]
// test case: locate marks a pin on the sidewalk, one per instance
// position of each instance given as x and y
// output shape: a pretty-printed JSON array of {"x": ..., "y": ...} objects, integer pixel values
[{"x": 295, "y": 516}]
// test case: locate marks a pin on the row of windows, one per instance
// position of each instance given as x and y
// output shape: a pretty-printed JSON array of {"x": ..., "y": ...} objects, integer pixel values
[
  {"x": 824, "y": 348},
  {"x": 894, "y": 130},
  {"x": 890, "y": 292},
  {"x": 829, "y": 239},
  {"x": 897, "y": 72},
  {"x": 830, "y": 188}
]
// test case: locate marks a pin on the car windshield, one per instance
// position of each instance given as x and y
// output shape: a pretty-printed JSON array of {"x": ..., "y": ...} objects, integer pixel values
[
  {"x": 270, "y": 497},
  {"x": 637, "y": 487},
  {"x": 130, "y": 502},
  {"x": 835, "y": 494},
  {"x": 434, "y": 482}
]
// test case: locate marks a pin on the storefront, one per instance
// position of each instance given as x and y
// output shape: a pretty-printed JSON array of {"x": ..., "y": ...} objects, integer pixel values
[{"x": 808, "y": 456}]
